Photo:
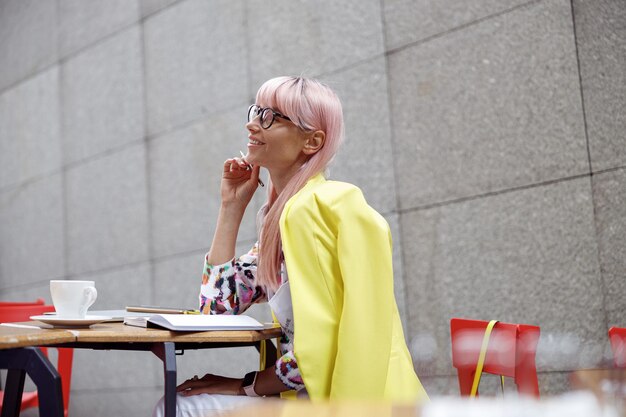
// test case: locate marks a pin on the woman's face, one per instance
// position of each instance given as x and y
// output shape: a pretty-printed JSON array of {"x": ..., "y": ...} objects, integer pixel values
[{"x": 278, "y": 147}]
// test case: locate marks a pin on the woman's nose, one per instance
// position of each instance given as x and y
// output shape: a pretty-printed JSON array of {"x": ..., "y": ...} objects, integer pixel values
[{"x": 253, "y": 125}]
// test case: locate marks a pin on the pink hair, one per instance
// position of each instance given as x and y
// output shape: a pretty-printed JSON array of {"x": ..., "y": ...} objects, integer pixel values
[{"x": 312, "y": 106}]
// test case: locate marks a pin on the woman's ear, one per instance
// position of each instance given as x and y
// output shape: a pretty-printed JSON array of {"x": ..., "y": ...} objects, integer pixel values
[{"x": 314, "y": 142}]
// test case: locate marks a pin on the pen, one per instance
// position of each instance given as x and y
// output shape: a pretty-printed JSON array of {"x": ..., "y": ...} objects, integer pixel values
[
  {"x": 191, "y": 312},
  {"x": 250, "y": 168}
]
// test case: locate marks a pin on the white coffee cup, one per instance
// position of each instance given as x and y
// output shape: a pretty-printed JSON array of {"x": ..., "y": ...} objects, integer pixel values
[{"x": 71, "y": 299}]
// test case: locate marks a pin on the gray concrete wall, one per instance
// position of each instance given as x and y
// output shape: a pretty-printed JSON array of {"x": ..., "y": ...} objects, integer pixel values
[{"x": 490, "y": 134}]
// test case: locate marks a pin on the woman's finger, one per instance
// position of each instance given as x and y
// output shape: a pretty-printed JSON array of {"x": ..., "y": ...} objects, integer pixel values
[
  {"x": 191, "y": 382},
  {"x": 227, "y": 164},
  {"x": 187, "y": 385},
  {"x": 238, "y": 165},
  {"x": 236, "y": 161},
  {"x": 183, "y": 386},
  {"x": 240, "y": 161},
  {"x": 255, "y": 172}
]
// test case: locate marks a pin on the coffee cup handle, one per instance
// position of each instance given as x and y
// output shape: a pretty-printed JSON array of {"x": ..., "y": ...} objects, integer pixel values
[{"x": 89, "y": 297}]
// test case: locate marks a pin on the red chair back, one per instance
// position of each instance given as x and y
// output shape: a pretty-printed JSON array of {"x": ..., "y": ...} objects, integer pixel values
[
  {"x": 22, "y": 312},
  {"x": 511, "y": 352},
  {"x": 617, "y": 335},
  {"x": 15, "y": 312},
  {"x": 39, "y": 301}
]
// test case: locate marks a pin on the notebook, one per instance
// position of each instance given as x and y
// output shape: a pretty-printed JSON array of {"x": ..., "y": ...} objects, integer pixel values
[{"x": 196, "y": 322}]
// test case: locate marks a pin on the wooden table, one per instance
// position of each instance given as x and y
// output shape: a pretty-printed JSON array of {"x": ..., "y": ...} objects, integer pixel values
[{"x": 117, "y": 336}]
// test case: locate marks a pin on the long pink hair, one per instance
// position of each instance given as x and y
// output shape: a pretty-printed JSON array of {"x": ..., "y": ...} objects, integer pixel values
[{"x": 312, "y": 106}]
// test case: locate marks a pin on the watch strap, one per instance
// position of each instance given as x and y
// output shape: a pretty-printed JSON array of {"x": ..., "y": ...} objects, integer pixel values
[{"x": 248, "y": 384}]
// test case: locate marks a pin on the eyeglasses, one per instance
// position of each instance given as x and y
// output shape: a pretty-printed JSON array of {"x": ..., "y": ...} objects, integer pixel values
[{"x": 267, "y": 115}]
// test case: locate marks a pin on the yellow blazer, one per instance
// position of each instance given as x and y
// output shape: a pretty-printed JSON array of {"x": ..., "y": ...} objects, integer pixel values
[{"x": 348, "y": 342}]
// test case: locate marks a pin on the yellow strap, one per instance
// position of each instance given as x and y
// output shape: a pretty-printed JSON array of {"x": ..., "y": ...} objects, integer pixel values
[
  {"x": 262, "y": 354},
  {"x": 481, "y": 359}
]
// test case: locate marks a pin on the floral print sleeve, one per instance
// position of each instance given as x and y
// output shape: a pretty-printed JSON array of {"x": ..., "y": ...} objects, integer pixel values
[
  {"x": 288, "y": 372},
  {"x": 230, "y": 288}
]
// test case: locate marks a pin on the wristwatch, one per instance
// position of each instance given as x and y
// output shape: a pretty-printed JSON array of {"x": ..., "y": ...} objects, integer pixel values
[{"x": 248, "y": 384}]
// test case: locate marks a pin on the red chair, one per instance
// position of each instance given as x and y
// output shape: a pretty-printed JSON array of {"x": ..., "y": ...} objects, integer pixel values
[
  {"x": 511, "y": 353},
  {"x": 37, "y": 302},
  {"x": 617, "y": 335},
  {"x": 16, "y": 312}
]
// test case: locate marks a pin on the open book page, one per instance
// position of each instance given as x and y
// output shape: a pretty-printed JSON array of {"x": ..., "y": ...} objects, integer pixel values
[
  {"x": 190, "y": 322},
  {"x": 137, "y": 321},
  {"x": 161, "y": 310}
]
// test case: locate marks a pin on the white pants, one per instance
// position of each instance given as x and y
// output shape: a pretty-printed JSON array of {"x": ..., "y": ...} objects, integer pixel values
[{"x": 206, "y": 405}]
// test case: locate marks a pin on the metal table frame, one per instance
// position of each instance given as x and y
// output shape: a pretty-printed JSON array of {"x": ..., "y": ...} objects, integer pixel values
[
  {"x": 31, "y": 361},
  {"x": 167, "y": 352}
]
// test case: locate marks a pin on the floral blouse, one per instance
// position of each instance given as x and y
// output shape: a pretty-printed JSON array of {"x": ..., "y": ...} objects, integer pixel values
[{"x": 230, "y": 288}]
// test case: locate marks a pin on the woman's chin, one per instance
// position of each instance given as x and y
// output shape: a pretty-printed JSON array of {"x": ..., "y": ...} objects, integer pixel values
[{"x": 253, "y": 161}]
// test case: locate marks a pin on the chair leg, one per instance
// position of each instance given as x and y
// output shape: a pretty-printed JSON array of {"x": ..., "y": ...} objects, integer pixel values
[
  {"x": 527, "y": 384},
  {"x": 466, "y": 379}
]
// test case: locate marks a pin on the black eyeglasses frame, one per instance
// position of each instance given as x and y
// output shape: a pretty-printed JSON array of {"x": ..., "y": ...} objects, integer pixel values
[{"x": 262, "y": 112}]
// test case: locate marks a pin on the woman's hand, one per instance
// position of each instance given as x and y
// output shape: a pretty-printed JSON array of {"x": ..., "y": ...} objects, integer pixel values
[
  {"x": 211, "y": 384},
  {"x": 238, "y": 185},
  {"x": 239, "y": 182}
]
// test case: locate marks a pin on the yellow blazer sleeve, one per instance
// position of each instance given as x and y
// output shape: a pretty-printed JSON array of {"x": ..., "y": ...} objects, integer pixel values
[
  {"x": 348, "y": 336},
  {"x": 365, "y": 330}
]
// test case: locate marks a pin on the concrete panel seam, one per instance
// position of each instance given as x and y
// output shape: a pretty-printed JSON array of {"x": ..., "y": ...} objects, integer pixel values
[
  {"x": 405, "y": 301},
  {"x": 601, "y": 271},
  {"x": 491, "y": 194},
  {"x": 104, "y": 154},
  {"x": 148, "y": 167},
  {"x": 156, "y": 12},
  {"x": 580, "y": 83},
  {"x": 64, "y": 59},
  {"x": 30, "y": 285},
  {"x": 461, "y": 27}
]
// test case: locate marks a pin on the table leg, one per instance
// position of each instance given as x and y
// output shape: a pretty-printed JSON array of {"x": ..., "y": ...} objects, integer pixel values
[
  {"x": 13, "y": 392},
  {"x": 31, "y": 361},
  {"x": 167, "y": 353}
]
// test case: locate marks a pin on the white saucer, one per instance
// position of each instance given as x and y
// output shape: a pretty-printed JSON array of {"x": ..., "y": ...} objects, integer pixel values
[{"x": 65, "y": 322}]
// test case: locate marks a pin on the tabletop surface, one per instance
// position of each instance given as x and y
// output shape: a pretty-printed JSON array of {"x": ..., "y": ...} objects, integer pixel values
[
  {"x": 14, "y": 337},
  {"x": 119, "y": 332}
]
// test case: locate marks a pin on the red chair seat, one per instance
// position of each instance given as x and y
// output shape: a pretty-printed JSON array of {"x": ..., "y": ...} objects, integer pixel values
[{"x": 29, "y": 400}]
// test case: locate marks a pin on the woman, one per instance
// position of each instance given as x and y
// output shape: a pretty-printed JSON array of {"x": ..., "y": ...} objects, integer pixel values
[{"x": 323, "y": 261}]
